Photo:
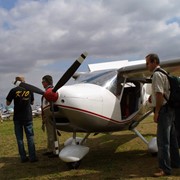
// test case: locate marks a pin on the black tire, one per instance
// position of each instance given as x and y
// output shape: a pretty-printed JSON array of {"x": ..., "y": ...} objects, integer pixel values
[
  {"x": 154, "y": 154},
  {"x": 73, "y": 165}
]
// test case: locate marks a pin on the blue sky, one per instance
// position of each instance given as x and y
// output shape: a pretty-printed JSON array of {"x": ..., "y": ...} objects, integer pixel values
[
  {"x": 7, "y": 4},
  {"x": 39, "y": 37},
  {"x": 173, "y": 20}
]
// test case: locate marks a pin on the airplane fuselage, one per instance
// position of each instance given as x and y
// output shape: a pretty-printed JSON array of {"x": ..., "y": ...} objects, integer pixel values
[{"x": 93, "y": 107}]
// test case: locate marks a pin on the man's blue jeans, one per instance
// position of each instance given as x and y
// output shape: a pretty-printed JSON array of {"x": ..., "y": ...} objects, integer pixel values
[
  {"x": 28, "y": 129},
  {"x": 168, "y": 152}
]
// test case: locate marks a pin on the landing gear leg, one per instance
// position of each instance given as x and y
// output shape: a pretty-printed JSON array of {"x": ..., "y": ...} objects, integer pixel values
[{"x": 152, "y": 145}]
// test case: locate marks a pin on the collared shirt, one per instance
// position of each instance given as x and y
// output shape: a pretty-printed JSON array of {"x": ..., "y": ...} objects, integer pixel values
[
  {"x": 43, "y": 100},
  {"x": 49, "y": 86},
  {"x": 160, "y": 84}
]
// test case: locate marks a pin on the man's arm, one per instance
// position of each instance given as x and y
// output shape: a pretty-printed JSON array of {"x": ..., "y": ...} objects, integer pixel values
[
  {"x": 32, "y": 102},
  {"x": 32, "y": 98}
]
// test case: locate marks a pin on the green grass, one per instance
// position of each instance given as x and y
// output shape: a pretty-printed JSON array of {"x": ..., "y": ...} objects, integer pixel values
[{"x": 120, "y": 155}]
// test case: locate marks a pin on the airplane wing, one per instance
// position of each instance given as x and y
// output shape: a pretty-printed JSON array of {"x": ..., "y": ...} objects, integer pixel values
[
  {"x": 140, "y": 70},
  {"x": 113, "y": 65},
  {"x": 107, "y": 65}
]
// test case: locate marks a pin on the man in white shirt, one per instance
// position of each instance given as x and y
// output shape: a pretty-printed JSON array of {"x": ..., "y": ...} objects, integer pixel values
[{"x": 164, "y": 116}]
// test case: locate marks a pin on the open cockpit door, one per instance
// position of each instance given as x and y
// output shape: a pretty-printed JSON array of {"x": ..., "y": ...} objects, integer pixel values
[
  {"x": 130, "y": 97},
  {"x": 133, "y": 93}
]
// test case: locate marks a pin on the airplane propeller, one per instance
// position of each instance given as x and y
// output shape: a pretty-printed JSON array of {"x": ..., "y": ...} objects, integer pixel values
[
  {"x": 68, "y": 74},
  {"x": 50, "y": 94},
  {"x": 29, "y": 87}
]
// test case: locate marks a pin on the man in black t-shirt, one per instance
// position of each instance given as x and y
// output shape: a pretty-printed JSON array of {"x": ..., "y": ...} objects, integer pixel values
[{"x": 22, "y": 118}]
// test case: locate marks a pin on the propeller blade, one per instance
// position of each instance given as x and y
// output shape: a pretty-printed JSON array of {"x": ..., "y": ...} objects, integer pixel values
[
  {"x": 29, "y": 87},
  {"x": 68, "y": 74}
]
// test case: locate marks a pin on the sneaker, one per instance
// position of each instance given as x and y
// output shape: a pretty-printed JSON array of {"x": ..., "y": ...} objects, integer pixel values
[
  {"x": 25, "y": 160},
  {"x": 47, "y": 153},
  {"x": 175, "y": 166}
]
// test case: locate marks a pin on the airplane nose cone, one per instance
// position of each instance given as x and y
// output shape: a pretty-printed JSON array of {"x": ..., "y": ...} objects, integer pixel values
[{"x": 50, "y": 95}]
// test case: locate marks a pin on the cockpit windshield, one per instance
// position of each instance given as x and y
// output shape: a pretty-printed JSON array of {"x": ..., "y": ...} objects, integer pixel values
[{"x": 106, "y": 79}]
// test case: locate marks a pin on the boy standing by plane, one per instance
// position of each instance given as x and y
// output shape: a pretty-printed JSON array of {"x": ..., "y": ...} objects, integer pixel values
[{"x": 164, "y": 116}]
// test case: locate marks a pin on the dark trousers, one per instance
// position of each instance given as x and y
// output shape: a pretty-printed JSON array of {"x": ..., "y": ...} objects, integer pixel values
[
  {"x": 177, "y": 124},
  {"x": 28, "y": 129},
  {"x": 168, "y": 152}
]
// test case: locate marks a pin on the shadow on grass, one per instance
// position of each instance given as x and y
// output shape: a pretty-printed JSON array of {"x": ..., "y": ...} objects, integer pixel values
[
  {"x": 110, "y": 157},
  {"x": 12, "y": 168}
]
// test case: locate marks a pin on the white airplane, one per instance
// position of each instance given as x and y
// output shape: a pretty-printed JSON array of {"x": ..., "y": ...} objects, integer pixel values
[
  {"x": 109, "y": 99},
  {"x": 36, "y": 111},
  {"x": 4, "y": 115}
]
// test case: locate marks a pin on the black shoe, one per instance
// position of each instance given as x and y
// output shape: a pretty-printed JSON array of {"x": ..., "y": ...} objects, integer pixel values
[
  {"x": 34, "y": 160},
  {"x": 25, "y": 160},
  {"x": 47, "y": 153},
  {"x": 175, "y": 166},
  {"x": 160, "y": 173},
  {"x": 53, "y": 156}
]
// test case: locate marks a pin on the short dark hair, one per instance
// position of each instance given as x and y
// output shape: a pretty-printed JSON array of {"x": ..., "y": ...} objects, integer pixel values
[
  {"x": 48, "y": 79},
  {"x": 153, "y": 58}
]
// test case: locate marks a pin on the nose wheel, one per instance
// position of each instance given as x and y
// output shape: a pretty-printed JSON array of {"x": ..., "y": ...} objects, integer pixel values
[{"x": 73, "y": 165}]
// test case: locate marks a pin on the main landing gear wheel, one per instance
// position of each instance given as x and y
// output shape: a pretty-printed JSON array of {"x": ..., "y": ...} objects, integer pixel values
[
  {"x": 73, "y": 165},
  {"x": 154, "y": 154}
]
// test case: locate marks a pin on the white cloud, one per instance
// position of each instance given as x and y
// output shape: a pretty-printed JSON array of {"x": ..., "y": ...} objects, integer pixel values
[{"x": 35, "y": 36}]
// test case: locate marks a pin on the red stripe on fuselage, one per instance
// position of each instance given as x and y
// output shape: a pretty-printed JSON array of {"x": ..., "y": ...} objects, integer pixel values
[{"x": 93, "y": 114}]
